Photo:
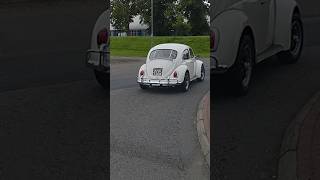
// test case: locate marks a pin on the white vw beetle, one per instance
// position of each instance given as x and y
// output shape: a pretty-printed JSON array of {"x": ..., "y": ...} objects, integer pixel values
[
  {"x": 171, "y": 65},
  {"x": 246, "y": 32}
]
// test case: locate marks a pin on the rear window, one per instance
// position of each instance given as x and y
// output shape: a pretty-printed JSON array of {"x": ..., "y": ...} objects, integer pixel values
[{"x": 166, "y": 54}]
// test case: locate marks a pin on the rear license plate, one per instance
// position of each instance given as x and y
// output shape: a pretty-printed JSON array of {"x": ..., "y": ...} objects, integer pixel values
[{"x": 157, "y": 72}]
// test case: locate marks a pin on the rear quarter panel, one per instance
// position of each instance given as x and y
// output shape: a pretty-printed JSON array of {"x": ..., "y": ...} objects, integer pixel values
[
  {"x": 102, "y": 22},
  {"x": 230, "y": 25}
]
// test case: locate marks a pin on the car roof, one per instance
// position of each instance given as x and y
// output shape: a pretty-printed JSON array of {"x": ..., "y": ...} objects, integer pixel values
[{"x": 174, "y": 46}]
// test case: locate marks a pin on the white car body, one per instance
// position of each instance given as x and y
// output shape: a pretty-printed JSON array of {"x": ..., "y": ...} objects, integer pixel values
[
  {"x": 98, "y": 56},
  {"x": 179, "y": 65},
  {"x": 268, "y": 20}
]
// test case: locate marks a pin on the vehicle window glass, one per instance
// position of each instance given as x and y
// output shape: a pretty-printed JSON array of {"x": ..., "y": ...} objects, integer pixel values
[
  {"x": 186, "y": 54},
  {"x": 191, "y": 53},
  {"x": 167, "y": 54}
]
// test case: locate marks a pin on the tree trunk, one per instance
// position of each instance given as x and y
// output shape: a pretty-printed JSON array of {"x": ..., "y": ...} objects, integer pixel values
[{"x": 128, "y": 28}]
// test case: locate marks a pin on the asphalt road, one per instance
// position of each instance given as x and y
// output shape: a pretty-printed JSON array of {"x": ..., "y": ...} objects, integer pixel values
[
  {"x": 53, "y": 114},
  {"x": 247, "y": 132},
  {"x": 153, "y": 135}
]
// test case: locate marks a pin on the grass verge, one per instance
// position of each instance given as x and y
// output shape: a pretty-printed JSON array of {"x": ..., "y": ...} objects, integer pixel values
[{"x": 138, "y": 46}]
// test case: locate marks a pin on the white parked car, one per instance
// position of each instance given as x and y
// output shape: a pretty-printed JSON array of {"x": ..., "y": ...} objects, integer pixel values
[
  {"x": 98, "y": 56},
  {"x": 171, "y": 65},
  {"x": 246, "y": 32}
]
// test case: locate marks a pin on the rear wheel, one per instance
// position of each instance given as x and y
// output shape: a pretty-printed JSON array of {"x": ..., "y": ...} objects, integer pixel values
[
  {"x": 143, "y": 86},
  {"x": 292, "y": 55},
  {"x": 186, "y": 83},
  {"x": 241, "y": 72},
  {"x": 203, "y": 73},
  {"x": 102, "y": 78}
]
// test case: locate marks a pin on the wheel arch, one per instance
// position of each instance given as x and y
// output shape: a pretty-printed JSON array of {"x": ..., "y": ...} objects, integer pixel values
[
  {"x": 229, "y": 35},
  {"x": 181, "y": 70},
  {"x": 248, "y": 30}
]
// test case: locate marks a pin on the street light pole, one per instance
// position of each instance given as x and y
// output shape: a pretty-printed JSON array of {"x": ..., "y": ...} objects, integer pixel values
[{"x": 151, "y": 18}]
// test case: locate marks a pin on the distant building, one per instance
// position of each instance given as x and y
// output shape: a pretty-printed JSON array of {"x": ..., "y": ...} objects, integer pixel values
[{"x": 136, "y": 29}]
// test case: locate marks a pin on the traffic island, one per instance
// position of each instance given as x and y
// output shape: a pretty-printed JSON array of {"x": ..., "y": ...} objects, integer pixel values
[
  {"x": 203, "y": 126},
  {"x": 300, "y": 149}
]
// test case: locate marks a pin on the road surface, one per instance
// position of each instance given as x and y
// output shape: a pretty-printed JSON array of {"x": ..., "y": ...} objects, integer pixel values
[
  {"x": 247, "y": 132},
  {"x": 153, "y": 135}
]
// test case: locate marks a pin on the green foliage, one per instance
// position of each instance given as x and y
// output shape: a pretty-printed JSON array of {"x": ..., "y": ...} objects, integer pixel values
[
  {"x": 196, "y": 12},
  {"x": 171, "y": 17},
  {"x": 144, "y": 10},
  {"x": 139, "y": 46},
  {"x": 122, "y": 14}
]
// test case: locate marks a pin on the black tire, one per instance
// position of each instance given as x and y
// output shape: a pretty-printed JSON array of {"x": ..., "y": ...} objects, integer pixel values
[
  {"x": 241, "y": 72},
  {"x": 143, "y": 86},
  {"x": 103, "y": 79},
  {"x": 203, "y": 73},
  {"x": 293, "y": 54},
  {"x": 185, "y": 86}
]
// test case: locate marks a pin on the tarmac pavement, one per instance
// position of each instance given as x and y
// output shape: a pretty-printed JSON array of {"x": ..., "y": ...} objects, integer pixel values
[
  {"x": 247, "y": 132},
  {"x": 153, "y": 131}
]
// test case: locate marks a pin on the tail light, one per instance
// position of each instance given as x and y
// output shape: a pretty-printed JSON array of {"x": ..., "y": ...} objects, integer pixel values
[
  {"x": 141, "y": 73},
  {"x": 175, "y": 74},
  {"x": 103, "y": 37},
  {"x": 212, "y": 39}
]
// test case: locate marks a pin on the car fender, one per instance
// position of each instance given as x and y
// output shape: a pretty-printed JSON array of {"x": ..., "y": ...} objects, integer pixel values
[
  {"x": 144, "y": 68},
  {"x": 181, "y": 70},
  {"x": 229, "y": 35},
  {"x": 284, "y": 13},
  {"x": 102, "y": 22},
  {"x": 198, "y": 68}
]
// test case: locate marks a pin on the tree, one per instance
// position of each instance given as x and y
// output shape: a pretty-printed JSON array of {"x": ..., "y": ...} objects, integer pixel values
[
  {"x": 180, "y": 27},
  {"x": 176, "y": 21},
  {"x": 123, "y": 12},
  {"x": 196, "y": 12},
  {"x": 161, "y": 25},
  {"x": 144, "y": 10}
]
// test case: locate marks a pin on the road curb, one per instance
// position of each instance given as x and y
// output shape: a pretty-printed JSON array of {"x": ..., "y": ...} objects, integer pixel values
[
  {"x": 202, "y": 134},
  {"x": 287, "y": 166}
]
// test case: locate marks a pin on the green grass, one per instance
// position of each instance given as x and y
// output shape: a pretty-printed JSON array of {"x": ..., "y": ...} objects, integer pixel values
[{"x": 139, "y": 46}]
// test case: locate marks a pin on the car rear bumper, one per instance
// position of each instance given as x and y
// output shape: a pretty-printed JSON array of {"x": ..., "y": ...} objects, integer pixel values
[
  {"x": 98, "y": 60},
  {"x": 159, "y": 82},
  {"x": 215, "y": 67}
]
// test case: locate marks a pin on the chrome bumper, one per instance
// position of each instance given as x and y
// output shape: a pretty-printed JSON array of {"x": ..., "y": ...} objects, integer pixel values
[
  {"x": 98, "y": 60},
  {"x": 159, "y": 82},
  {"x": 215, "y": 67}
]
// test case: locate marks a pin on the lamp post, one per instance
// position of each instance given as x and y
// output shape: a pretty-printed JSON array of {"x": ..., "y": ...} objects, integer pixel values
[{"x": 151, "y": 18}]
